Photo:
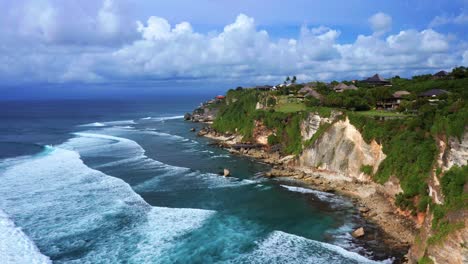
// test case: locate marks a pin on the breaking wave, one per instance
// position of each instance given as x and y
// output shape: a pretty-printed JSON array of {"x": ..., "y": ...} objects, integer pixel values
[
  {"x": 281, "y": 247},
  {"x": 55, "y": 196},
  {"x": 15, "y": 246}
]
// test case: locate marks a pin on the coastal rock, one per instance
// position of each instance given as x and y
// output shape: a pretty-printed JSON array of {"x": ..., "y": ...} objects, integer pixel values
[
  {"x": 358, "y": 232},
  {"x": 226, "y": 173},
  {"x": 192, "y": 129},
  {"x": 187, "y": 116},
  {"x": 342, "y": 149}
]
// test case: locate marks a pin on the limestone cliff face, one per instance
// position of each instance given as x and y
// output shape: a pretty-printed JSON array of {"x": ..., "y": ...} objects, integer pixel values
[
  {"x": 340, "y": 149},
  {"x": 452, "y": 249},
  {"x": 457, "y": 152}
]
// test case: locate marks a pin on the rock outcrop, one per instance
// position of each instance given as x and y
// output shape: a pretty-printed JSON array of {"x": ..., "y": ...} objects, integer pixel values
[{"x": 341, "y": 149}]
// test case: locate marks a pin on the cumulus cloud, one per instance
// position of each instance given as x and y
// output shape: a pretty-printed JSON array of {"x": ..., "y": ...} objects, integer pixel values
[
  {"x": 380, "y": 23},
  {"x": 240, "y": 52},
  {"x": 461, "y": 19},
  {"x": 67, "y": 22}
]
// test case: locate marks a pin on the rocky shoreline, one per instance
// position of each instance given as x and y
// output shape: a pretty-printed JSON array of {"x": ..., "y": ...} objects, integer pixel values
[{"x": 374, "y": 203}]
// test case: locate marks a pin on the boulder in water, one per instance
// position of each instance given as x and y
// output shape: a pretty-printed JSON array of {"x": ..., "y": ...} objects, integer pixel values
[
  {"x": 226, "y": 173},
  {"x": 187, "y": 116},
  {"x": 192, "y": 129},
  {"x": 358, "y": 232}
]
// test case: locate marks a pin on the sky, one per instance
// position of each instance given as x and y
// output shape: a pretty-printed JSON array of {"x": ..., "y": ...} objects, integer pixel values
[{"x": 121, "y": 48}]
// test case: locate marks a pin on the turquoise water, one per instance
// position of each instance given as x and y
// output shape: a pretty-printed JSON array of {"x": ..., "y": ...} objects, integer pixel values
[{"x": 128, "y": 183}]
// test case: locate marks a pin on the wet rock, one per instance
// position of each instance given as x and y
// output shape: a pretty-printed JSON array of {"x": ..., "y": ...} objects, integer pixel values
[
  {"x": 192, "y": 129},
  {"x": 226, "y": 173},
  {"x": 358, "y": 232},
  {"x": 363, "y": 209},
  {"x": 187, "y": 116}
]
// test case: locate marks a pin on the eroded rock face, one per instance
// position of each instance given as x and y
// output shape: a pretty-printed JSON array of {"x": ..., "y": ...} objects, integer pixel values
[
  {"x": 342, "y": 149},
  {"x": 261, "y": 133},
  {"x": 457, "y": 153}
]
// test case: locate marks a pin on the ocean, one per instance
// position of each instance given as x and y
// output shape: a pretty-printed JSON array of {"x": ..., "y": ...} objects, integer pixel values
[{"x": 101, "y": 181}]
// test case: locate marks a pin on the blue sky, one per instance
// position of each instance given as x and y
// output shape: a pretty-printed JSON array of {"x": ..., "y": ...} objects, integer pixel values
[{"x": 102, "y": 48}]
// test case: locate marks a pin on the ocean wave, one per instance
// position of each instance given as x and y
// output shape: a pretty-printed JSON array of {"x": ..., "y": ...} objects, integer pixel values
[
  {"x": 128, "y": 153},
  {"x": 68, "y": 207},
  {"x": 95, "y": 124},
  {"x": 109, "y": 123},
  {"x": 167, "y": 118},
  {"x": 162, "y": 118},
  {"x": 323, "y": 196},
  {"x": 17, "y": 247},
  {"x": 281, "y": 247}
]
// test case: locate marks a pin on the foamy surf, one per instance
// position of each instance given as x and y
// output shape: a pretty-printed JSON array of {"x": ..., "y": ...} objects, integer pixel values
[
  {"x": 110, "y": 123},
  {"x": 95, "y": 124},
  {"x": 56, "y": 197},
  {"x": 15, "y": 246},
  {"x": 130, "y": 154},
  {"x": 281, "y": 247},
  {"x": 323, "y": 196}
]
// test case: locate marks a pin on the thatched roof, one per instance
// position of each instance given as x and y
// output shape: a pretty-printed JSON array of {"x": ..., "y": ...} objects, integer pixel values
[
  {"x": 441, "y": 74},
  {"x": 305, "y": 90},
  {"x": 352, "y": 87},
  {"x": 399, "y": 94},
  {"x": 376, "y": 78},
  {"x": 309, "y": 91},
  {"x": 341, "y": 87}
]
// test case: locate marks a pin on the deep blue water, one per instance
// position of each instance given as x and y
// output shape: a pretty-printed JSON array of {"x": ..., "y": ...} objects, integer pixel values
[{"x": 126, "y": 182}]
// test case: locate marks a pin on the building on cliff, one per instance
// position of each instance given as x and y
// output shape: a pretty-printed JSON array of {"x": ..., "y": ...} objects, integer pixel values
[
  {"x": 393, "y": 102},
  {"x": 377, "y": 80}
]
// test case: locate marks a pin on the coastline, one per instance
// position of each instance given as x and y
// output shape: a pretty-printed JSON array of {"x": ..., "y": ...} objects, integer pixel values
[{"x": 373, "y": 203}]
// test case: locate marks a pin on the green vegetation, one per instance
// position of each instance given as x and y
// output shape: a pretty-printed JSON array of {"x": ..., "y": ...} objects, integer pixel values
[
  {"x": 237, "y": 115},
  {"x": 442, "y": 230},
  {"x": 367, "y": 169},
  {"x": 408, "y": 137},
  {"x": 379, "y": 113},
  {"x": 425, "y": 260},
  {"x": 322, "y": 129},
  {"x": 290, "y": 107},
  {"x": 320, "y": 110}
]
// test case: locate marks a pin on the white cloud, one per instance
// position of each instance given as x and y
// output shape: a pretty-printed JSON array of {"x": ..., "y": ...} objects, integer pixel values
[
  {"x": 108, "y": 19},
  {"x": 67, "y": 22},
  {"x": 240, "y": 53},
  {"x": 465, "y": 58},
  {"x": 380, "y": 23},
  {"x": 461, "y": 19}
]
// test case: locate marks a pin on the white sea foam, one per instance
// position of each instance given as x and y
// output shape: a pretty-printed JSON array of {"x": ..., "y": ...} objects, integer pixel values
[
  {"x": 323, "y": 196},
  {"x": 281, "y": 247},
  {"x": 168, "y": 118},
  {"x": 57, "y": 197},
  {"x": 15, "y": 246},
  {"x": 132, "y": 155},
  {"x": 120, "y": 122},
  {"x": 221, "y": 156},
  {"x": 95, "y": 124}
]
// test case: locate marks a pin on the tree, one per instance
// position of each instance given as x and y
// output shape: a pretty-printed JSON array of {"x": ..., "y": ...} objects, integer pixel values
[
  {"x": 294, "y": 79},
  {"x": 288, "y": 79},
  {"x": 459, "y": 72}
]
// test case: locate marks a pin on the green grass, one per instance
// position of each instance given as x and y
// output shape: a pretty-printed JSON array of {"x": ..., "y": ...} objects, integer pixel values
[
  {"x": 323, "y": 111},
  {"x": 290, "y": 107},
  {"x": 425, "y": 260},
  {"x": 377, "y": 113}
]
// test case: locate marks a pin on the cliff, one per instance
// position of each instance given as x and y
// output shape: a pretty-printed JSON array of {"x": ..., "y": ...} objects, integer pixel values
[
  {"x": 385, "y": 164},
  {"x": 340, "y": 149}
]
